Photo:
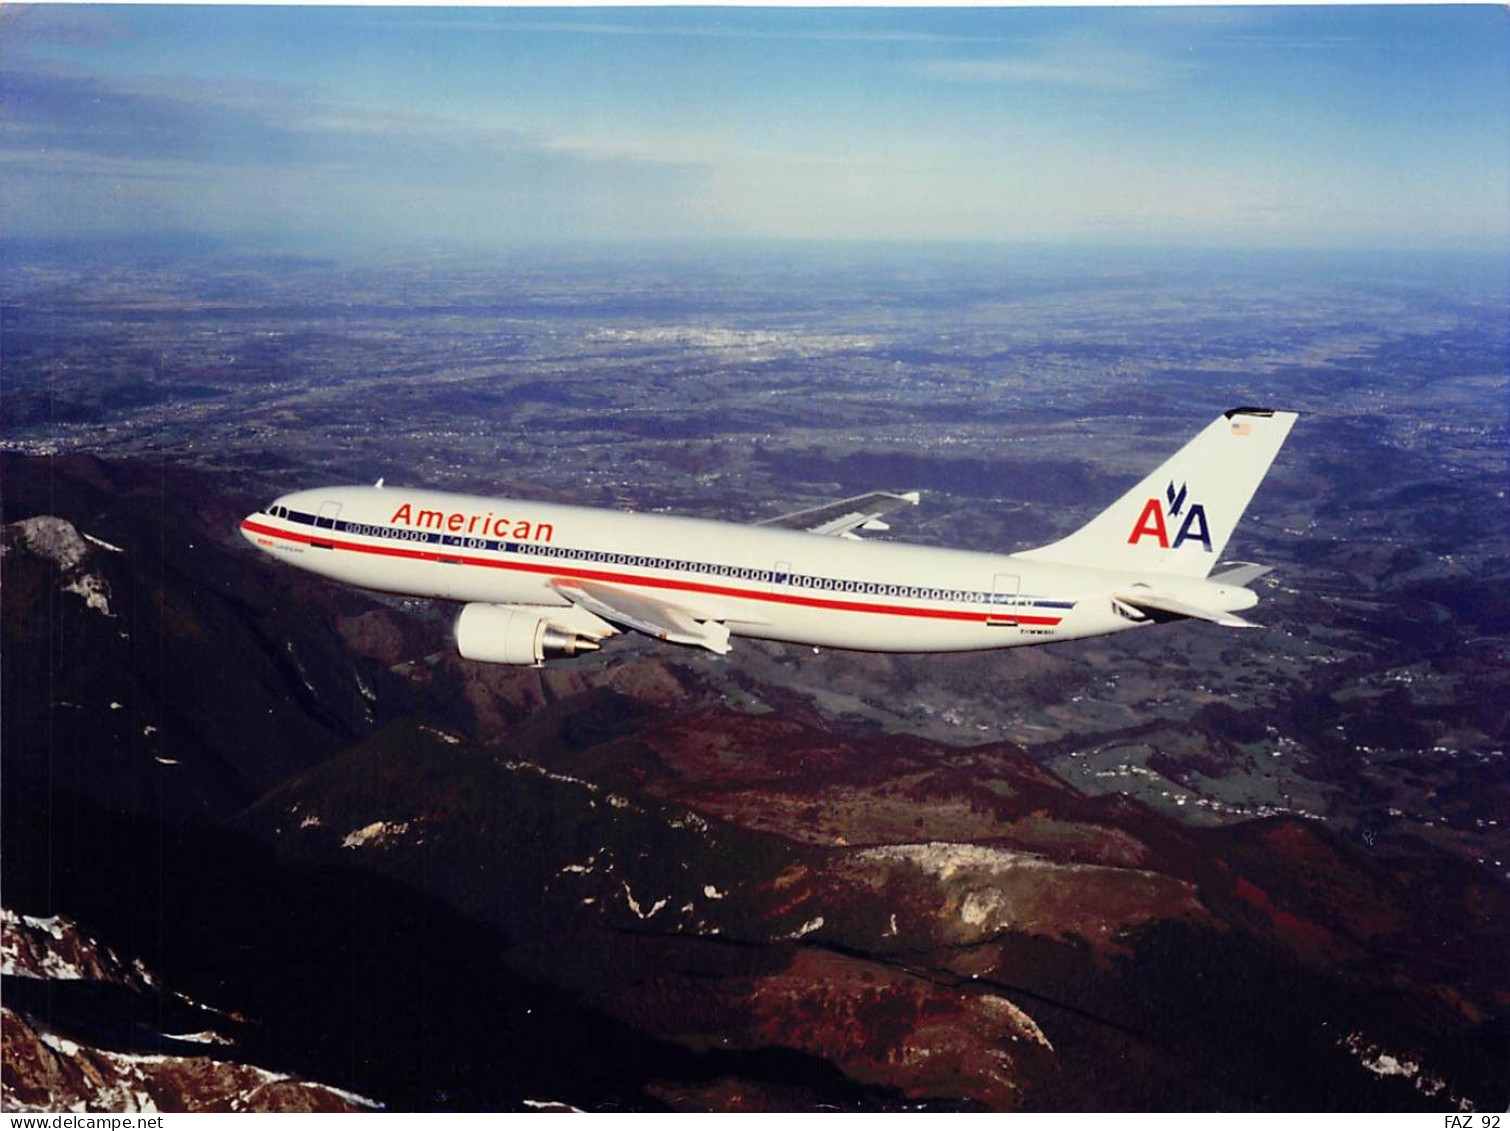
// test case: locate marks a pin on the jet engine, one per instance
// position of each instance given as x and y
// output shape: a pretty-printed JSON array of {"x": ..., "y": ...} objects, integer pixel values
[{"x": 496, "y": 634}]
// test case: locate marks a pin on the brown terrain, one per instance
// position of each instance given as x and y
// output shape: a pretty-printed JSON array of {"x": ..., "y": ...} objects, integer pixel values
[{"x": 359, "y": 860}]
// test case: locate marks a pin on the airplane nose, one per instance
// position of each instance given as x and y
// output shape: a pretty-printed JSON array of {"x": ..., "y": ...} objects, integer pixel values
[{"x": 246, "y": 532}]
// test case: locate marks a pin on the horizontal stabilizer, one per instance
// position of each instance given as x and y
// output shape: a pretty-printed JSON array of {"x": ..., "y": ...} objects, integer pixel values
[
  {"x": 1240, "y": 573},
  {"x": 645, "y": 614},
  {"x": 1149, "y": 602}
]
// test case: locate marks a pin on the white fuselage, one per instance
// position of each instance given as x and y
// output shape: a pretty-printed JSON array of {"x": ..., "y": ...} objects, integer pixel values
[{"x": 762, "y": 582}]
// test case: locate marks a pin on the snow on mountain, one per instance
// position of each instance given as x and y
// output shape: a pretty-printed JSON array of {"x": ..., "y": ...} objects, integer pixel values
[
  {"x": 54, "y": 948},
  {"x": 58, "y": 541},
  {"x": 49, "y": 1072},
  {"x": 51, "y": 1066}
]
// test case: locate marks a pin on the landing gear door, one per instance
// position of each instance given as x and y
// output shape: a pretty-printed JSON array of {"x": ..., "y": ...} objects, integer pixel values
[{"x": 1004, "y": 598}]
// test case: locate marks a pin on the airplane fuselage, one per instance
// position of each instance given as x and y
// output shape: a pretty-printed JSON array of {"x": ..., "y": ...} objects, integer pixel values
[
  {"x": 539, "y": 579},
  {"x": 766, "y": 583}
]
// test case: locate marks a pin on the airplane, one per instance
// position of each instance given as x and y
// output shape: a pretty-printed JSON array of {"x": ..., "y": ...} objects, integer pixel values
[{"x": 544, "y": 580}]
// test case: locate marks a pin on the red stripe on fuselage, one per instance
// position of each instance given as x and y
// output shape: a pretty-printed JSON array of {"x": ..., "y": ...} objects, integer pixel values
[{"x": 646, "y": 582}]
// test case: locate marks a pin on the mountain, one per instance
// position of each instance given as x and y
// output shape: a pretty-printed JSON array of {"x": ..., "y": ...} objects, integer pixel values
[
  {"x": 54, "y": 970},
  {"x": 613, "y": 883}
]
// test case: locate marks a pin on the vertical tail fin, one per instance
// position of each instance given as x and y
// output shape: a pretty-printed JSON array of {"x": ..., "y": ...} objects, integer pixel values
[{"x": 1178, "y": 520}]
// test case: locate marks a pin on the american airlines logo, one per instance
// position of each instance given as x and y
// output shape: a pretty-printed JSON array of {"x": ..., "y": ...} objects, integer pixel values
[
  {"x": 479, "y": 523},
  {"x": 1159, "y": 515}
]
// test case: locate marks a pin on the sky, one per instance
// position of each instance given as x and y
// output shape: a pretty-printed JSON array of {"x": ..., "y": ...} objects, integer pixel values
[{"x": 1357, "y": 127}]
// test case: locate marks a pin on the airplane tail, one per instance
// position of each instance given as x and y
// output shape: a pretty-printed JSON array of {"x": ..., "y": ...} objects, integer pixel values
[{"x": 1178, "y": 520}]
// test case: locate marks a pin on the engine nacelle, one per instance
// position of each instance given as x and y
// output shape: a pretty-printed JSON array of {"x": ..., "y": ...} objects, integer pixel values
[{"x": 495, "y": 634}]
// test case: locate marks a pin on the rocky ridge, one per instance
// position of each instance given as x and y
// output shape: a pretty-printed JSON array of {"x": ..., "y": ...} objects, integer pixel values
[{"x": 129, "y": 1066}]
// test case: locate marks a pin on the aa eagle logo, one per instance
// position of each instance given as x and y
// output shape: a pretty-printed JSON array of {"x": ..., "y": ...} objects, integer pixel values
[{"x": 1158, "y": 516}]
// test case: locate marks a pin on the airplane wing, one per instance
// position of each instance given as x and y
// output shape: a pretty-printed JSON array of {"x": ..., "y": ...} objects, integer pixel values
[
  {"x": 659, "y": 619},
  {"x": 1147, "y": 601},
  {"x": 840, "y": 519}
]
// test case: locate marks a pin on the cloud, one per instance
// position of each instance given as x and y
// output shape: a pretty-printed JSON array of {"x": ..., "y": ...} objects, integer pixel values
[
  {"x": 78, "y": 150},
  {"x": 58, "y": 25},
  {"x": 1087, "y": 68},
  {"x": 685, "y": 31},
  {"x": 54, "y": 108}
]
